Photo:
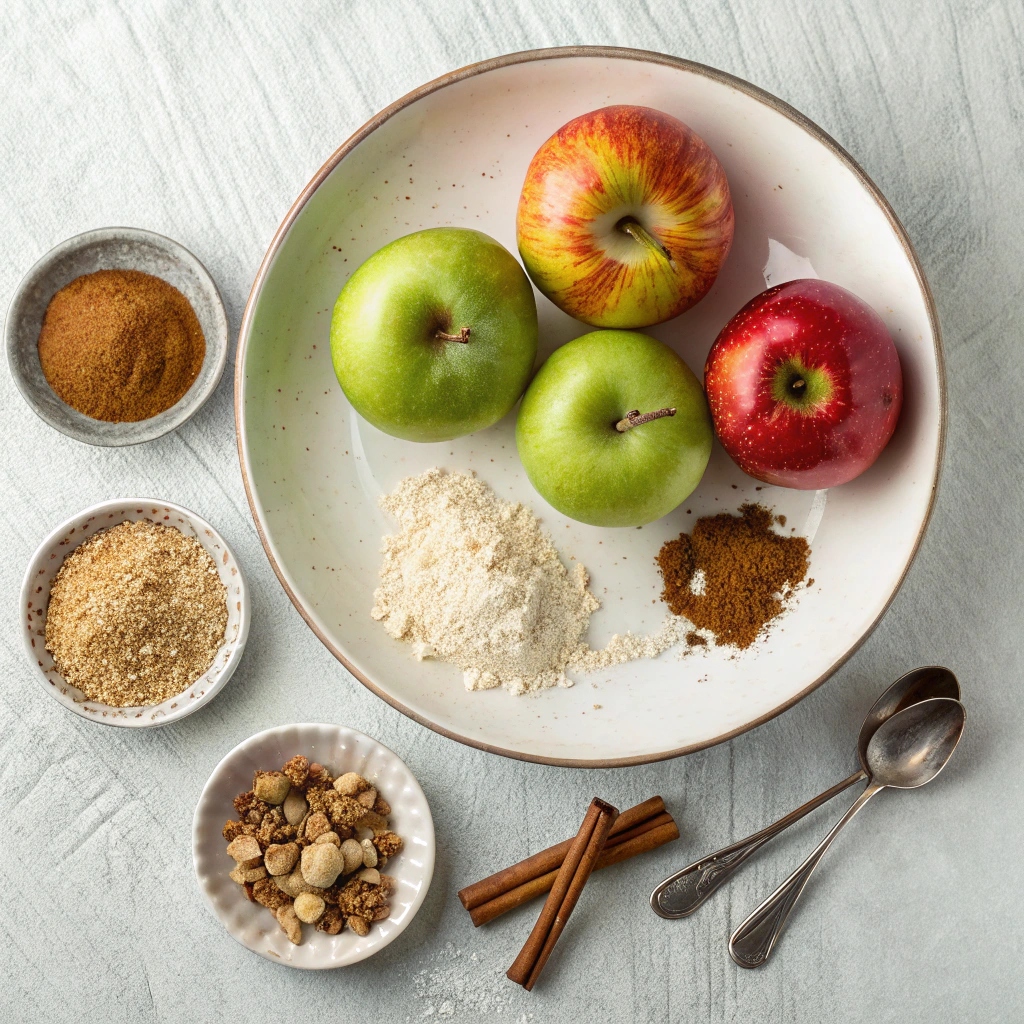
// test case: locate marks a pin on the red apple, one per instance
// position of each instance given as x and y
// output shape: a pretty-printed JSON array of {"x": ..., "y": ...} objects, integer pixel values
[
  {"x": 625, "y": 217},
  {"x": 804, "y": 385}
]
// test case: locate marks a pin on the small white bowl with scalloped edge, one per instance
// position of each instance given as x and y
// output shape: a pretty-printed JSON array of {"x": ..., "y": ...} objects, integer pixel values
[
  {"x": 341, "y": 750},
  {"x": 35, "y": 598}
]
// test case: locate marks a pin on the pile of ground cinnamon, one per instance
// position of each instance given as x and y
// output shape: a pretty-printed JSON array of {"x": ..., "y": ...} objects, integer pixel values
[
  {"x": 731, "y": 574},
  {"x": 120, "y": 345}
]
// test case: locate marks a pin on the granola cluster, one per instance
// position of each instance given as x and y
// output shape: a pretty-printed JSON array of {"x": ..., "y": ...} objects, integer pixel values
[{"x": 310, "y": 848}]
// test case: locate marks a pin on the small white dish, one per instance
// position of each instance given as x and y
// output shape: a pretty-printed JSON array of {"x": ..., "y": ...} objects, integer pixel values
[
  {"x": 35, "y": 598},
  {"x": 112, "y": 249},
  {"x": 340, "y": 750}
]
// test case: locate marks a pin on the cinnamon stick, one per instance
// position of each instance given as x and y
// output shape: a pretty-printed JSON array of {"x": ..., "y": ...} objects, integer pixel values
[
  {"x": 501, "y": 882},
  {"x": 645, "y": 837},
  {"x": 565, "y": 892}
]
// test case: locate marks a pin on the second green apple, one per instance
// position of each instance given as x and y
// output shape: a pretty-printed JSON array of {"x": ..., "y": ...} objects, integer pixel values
[{"x": 614, "y": 430}]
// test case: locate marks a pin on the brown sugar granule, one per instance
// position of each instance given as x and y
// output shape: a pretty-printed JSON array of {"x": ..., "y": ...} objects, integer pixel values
[
  {"x": 120, "y": 345},
  {"x": 137, "y": 614},
  {"x": 266, "y": 892},
  {"x": 332, "y": 922},
  {"x": 297, "y": 770},
  {"x": 694, "y": 639},
  {"x": 387, "y": 843},
  {"x": 274, "y": 829},
  {"x": 359, "y": 899},
  {"x": 341, "y": 811},
  {"x": 246, "y": 802},
  {"x": 730, "y": 574}
]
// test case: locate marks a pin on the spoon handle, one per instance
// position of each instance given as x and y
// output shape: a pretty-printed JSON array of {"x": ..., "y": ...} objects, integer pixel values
[
  {"x": 752, "y": 943},
  {"x": 681, "y": 894}
]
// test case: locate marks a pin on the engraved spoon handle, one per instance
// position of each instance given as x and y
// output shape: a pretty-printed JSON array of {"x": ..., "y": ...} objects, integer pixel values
[
  {"x": 752, "y": 943},
  {"x": 681, "y": 894}
]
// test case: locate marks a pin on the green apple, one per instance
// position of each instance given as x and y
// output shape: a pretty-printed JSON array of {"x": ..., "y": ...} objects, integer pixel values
[
  {"x": 435, "y": 335},
  {"x": 615, "y": 429}
]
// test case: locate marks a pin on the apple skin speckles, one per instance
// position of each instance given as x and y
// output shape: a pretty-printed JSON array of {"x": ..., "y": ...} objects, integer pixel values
[
  {"x": 804, "y": 385},
  {"x": 435, "y": 335},
  {"x": 616, "y": 164}
]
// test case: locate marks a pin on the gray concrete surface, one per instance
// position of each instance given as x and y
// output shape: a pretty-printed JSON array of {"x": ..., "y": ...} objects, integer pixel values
[{"x": 203, "y": 122}]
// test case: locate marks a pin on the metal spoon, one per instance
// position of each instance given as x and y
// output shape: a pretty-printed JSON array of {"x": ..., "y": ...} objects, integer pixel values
[
  {"x": 906, "y": 752},
  {"x": 681, "y": 894}
]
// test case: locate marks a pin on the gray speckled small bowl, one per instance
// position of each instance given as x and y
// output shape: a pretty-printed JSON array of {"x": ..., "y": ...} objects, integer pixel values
[
  {"x": 112, "y": 249},
  {"x": 35, "y": 600}
]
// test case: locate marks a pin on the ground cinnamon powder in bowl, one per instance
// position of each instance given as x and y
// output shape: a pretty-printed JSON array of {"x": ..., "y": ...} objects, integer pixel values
[
  {"x": 731, "y": 575},
  {"x": 120, "y": 345}
]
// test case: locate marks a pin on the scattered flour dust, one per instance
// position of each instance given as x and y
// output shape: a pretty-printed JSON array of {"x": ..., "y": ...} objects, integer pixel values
[
  {"x": 473, "y": 580},
  {"x": 460, "y": 986}
]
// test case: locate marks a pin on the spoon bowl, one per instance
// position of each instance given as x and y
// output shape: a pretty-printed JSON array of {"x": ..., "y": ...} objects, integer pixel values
[
  {"x": 913, "y": 746},
  {"x": 912, "y": 687}
]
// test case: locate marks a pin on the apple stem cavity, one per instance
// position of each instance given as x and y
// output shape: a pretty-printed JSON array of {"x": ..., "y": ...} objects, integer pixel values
[
  {"x": 462, "y": 337},
  {"x": 800, "y": 387},
  {"x": 632, "y": 227},
  {"x": 635, "y": 419}
]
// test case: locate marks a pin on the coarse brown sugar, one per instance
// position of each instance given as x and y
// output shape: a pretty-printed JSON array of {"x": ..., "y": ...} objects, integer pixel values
[
  {"x": 136, "y": 615},
  {"x": 731, "y": 574}
]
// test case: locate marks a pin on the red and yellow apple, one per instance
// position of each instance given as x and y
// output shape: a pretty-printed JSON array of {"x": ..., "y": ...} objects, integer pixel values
[
  {"x": 625, "y": 217},
  {"x": 805, "y": 385}
]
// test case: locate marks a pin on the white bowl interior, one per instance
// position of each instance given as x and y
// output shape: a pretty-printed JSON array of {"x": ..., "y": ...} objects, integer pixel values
[
  {"x": 35, "y": 599},
  {"x": 340, "y": 750},
  {"x": 458, "y": 156}
]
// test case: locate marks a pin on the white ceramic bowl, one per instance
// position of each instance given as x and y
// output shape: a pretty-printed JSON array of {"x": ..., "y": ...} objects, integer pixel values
[
  {"x": 455, "y": 152},
  {"x": 112, "y": 249},
  {"x": 35, "y": 596},
  {"x": 341, "y": 750}
]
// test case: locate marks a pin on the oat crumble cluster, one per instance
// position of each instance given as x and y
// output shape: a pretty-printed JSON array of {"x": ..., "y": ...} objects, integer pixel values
[{"x": 310, "y": 848}]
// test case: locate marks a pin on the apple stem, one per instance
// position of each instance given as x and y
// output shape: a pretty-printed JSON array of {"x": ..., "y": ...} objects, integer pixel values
[
  {"x": 798, "y": 385},
  {"x": 640, "y": 234},
  {"x": 634, "y": 419},
  {"x": 462, "y": 336}
]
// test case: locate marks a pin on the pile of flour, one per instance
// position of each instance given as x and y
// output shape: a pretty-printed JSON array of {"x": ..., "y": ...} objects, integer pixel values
[{"x": 473, "y": 580}]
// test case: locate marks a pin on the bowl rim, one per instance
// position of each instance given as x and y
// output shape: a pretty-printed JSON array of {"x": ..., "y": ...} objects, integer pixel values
[
  {"x": 617, "y": 53},
  {"x": 254, "y": 740},
  {"x": 189, "y": 404},
  {"x": 188, "y": 707}
]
